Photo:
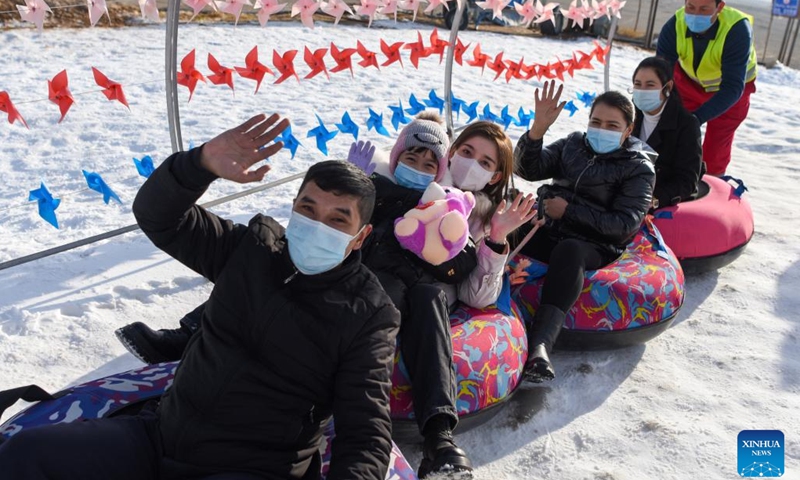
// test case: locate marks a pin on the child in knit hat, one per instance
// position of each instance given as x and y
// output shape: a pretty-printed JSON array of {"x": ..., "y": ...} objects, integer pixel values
[{"x": 419, "y": 157}]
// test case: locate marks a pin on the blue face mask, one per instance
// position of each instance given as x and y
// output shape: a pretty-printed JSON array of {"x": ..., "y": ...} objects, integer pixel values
[
  {"x": 411, "y": 178},
  {"x": 315, "y": 247},
  {"x": 603, "y": 141},
  {"x": 647, "y": 100},
  {"x": 698, "y": 23}
]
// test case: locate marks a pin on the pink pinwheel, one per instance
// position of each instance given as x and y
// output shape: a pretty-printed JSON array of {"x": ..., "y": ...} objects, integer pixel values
[
  {"x": 412, "y": 5},
  {"x": 545, "y": 12},
  {"x": 389, "y": 6},
  {"x": 306, "y": 9},
  {"x": 601, "y": 9},
  {"x": 198, "y": 5},
  {"x": 266, "y": 8},
  {"x": 589, "y": 8},
  {"x": 368, "y": 9},
  {"x": 336, "y": 8},
  {"x": 149, "y": 10},
  {"x": 432, "y": 4},
  {"x": 574, "y": 13},
  {"x": 96, "y": 10},
  {"x": 614, "y": 6},
  {"x": 234, "y": 7},
  {"x": 496, "y": 6},
  {"x": 33, "y": 12},
  {"x": 527, "y": 11}
]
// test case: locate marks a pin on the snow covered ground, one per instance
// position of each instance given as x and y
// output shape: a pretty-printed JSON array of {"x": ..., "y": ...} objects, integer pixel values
[{"x": 669, "y": 409}]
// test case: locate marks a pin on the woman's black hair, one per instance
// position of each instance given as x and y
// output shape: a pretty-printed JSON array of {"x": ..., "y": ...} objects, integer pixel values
[
  {"x": 617, "y": 100},
  {"x": 660, "y": 66}
]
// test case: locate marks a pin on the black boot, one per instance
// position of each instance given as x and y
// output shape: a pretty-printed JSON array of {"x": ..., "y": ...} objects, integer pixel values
[
  {"x": 154, "y": 346},
  {"x": 442, "y": 458},
  {"x": 542, "y": 335}
]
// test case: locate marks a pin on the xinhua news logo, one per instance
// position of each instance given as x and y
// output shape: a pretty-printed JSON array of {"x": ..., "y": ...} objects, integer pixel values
[{"x": 760, "y": 453}]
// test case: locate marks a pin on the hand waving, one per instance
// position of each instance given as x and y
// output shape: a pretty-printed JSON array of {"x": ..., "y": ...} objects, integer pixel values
[
  {"x": 508, "y": 218},
  {"x": 231, "y": 154},
  {"x": 361, "y": 154},
  {"x": 547, "y": 109}
]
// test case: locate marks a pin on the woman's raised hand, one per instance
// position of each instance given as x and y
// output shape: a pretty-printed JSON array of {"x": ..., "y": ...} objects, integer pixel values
[
  {"x": 547, "y": 108},
  {"x": 230, "y": 155},
  {"x": 508, "y": 218}
]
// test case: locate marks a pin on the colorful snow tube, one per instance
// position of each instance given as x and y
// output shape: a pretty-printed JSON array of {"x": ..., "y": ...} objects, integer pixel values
[
  {"x": 625, "y": 303},
  {"x": 489, "y": 351},
  {"x": 711, "y": 231},
  {"x": 125, "y": 393}
]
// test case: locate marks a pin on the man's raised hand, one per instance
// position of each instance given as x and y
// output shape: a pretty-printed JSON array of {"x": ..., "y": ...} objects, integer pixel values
[{"x": 231, "y": 154}]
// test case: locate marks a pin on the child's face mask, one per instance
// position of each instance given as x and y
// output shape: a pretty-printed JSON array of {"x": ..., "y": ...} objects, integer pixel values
[{"x": 411, "y": 178}]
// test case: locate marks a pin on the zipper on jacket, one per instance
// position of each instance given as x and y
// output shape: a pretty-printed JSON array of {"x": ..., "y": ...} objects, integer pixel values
[
  {"x": 589, "y": 164},
  {"x": 291, "y": 277}
]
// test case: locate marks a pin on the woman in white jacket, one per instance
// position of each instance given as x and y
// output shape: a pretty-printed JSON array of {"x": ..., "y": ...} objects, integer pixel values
[{"x": 482, "y": 162}]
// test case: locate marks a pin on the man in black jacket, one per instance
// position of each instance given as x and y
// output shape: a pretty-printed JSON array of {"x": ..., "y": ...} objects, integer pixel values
[{"x": 296, "y": 330}]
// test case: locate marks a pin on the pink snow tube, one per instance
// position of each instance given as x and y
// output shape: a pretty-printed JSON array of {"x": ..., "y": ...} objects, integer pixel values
[
  {"x": 489, "y": 352},
  {"x": 711, "y": 231}
]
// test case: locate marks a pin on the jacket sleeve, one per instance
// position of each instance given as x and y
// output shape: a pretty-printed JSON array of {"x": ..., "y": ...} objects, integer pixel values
[
  {"x": 536, "y": 162},
  {"x": 628, "y": 208},
  {"x": 166, "y": 212},
  {"x": 735, "y": 56},
  {"x": 680, "y": 180},
  {"x": 483, "y": 285},
  {"x": 455, "y": 270},
  {"x": 363, "y": 442},
  {"x": 667, "y": 45}
]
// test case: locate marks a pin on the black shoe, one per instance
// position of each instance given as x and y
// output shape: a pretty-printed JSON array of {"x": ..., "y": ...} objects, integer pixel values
[
  {"x": 152, "y": 346},
  {"x": 442, "y": 459},
  {"x": 538, "y": 367}
]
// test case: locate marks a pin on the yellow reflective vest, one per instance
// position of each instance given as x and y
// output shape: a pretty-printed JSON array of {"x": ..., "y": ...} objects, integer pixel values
[{"x": 709, "y": 71}]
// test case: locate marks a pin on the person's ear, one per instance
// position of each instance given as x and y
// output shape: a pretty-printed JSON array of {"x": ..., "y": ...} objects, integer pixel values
[
  {"x": 496, "y": 177},
  {"x": 668, "y": 87},
  {"x": 358, "y": 242}
]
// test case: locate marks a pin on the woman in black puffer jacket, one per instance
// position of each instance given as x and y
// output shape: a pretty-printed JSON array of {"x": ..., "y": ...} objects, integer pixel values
[{"x": 601, "y": 191}]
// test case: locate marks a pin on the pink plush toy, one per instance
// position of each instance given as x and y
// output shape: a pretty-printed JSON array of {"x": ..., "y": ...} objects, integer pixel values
[{"x": 437, "y": 229}]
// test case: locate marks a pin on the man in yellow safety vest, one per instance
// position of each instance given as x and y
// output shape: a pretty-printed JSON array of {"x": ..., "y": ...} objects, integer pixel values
[{"x": 711, "y": 47}]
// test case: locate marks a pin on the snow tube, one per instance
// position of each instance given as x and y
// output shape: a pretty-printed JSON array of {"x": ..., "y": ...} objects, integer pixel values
[
  {"x": 125, "y": 393},
  {"x": 489, "y": 352},
  {"x": 625, "y": 303},
  {"x": 711, "y": 231}
]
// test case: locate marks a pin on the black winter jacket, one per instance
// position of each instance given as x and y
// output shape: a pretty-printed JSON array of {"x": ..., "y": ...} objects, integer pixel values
[
  {"x": 383, "y": 253},
  {"x": 608, "y": 194},
  {"x": 278, "y": 351},
  {"x": 676, "y": 139}
]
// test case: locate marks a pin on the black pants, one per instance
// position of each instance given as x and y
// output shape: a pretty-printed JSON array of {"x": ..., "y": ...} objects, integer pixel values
[
  {"x": 122, "y": 448},
  {"x": 567, "y": 262},
  {"x": 426, "y": 346}
]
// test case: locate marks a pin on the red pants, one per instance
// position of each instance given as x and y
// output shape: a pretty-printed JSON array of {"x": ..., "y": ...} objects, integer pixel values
[{"x": 719, "y": 131}]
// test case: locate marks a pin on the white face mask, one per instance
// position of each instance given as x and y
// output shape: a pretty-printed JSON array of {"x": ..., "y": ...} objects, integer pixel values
[{"x": 468, "y": 174}]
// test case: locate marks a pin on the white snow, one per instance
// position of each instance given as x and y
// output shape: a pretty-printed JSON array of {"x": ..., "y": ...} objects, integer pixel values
[{"x": 669, "y": 409}]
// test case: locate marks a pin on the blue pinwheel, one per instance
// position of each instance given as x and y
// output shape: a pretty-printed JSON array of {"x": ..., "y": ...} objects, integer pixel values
[
  {"x": 96, "y": 183},
  {"x": 47, "y": 204},
  {"x": 144, "y": 166},
  {"x": 289, "y": 140},
  {"x": 398, "y": 115},
  {"x": 375, "y": 122},
  {"x": 323, "y": 136},
  {"x": 348, "y": 125}
]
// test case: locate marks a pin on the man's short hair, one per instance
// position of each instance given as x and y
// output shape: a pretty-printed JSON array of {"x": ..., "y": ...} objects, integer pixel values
[
  {"x": 617, "y": 100},
  {"x": 344, "y": 178}
]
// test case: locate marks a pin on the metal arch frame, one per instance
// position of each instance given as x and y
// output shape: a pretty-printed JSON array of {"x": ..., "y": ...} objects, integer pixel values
[{"x": 171, "y": 75}]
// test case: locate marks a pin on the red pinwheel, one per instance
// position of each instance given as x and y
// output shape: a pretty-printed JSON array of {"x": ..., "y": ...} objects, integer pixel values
[
  {"x": 7, "y": 106},
  {"x": 600, "y": 51},
  {"x": 418, "y": 50},
  {"x": 222, "y": 75},
  {"x": 59, "y": 93},
  {"x": 437, "y": 45},
  {"x": 316, "y": 62},
  {"x": 112, "y": 90},
  {"x": 458, "y": 54},
  {"x": 189, "y": 76},
  {"x": 529, "y": 71},
  {"x": 284, "y": 64},
  {"x": 585, "y": 62},
  {"x": 478, "y": 59},
  {"x": 497, "y": 65},
  {"x": 514, "y": 69},
  {"x": 368, "y": 58},
  {"x": 392, "y": 53},
  {"x": 254, "y": 70},
  {"x": 342, "y": 58}
]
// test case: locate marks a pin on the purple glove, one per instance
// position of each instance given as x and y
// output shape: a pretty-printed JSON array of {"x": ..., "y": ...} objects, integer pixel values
[{"x": 361, "y": 156}]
